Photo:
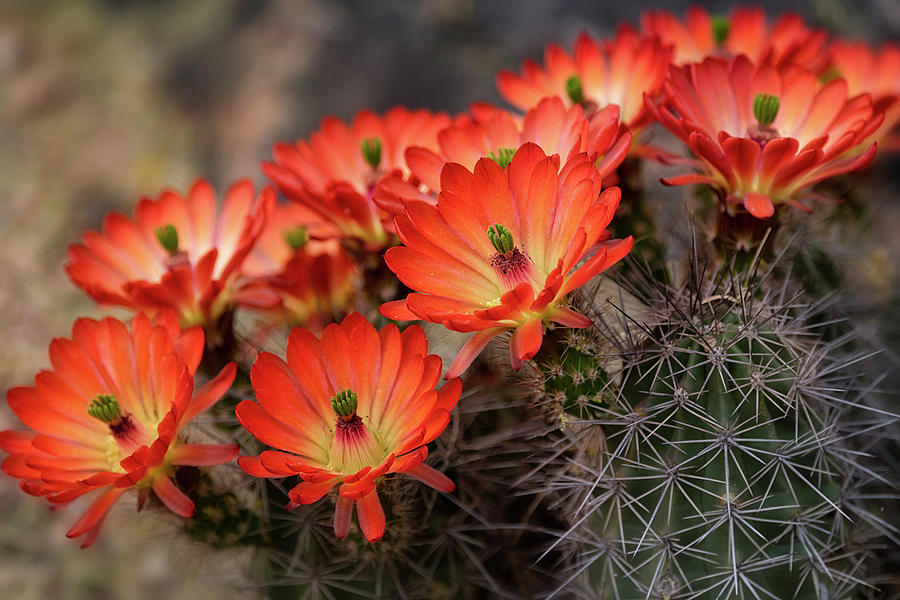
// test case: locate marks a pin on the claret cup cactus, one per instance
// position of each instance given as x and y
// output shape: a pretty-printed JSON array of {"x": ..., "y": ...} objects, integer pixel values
[
  {"x": 713, "y": 450},
  {"x": 593, "y": 347}
]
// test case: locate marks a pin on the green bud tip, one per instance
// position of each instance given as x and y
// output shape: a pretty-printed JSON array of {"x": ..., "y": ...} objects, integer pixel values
[
  {"x": 296, "y": 237},
  {"x": 168, "y": 237},
  {"x": 344, "y": 403},
  {"x": 371, "y": 151},
  {"x": 765, "y": 108},
  {"x": 721, "y": 27},
  {"x": 104, "y": 407},
  {"x": 501, "y": 238},
  {"x": 574, "y": 89},
  {"x": 502, "y": 156}
]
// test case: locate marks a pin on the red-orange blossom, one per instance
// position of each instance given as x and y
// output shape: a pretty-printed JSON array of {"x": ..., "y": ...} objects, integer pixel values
[
  {"x": 543, "y": 217},
  {"x": 345, "y": 409}
]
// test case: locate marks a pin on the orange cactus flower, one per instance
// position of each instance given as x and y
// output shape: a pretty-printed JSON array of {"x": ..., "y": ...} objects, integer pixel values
[
  {"x": 310, "y": 290},
  {"x": 598, "y": 73},
  {"x": 787, "y": 41},
  {"x": 107, "y": 417},
  {"x": 345, "y": 410},
  {"x": 176, "y": 253},
  {"x": 490, "y": 131},
  {"x": 335, "y": 172},
  {"x": 876, "y": 71},
  {"x": 291, "y": 227},
  {"x": 499, "y": 250},
  {"x": 297, "y": 273},
  {"x": 767, "y": 134}
]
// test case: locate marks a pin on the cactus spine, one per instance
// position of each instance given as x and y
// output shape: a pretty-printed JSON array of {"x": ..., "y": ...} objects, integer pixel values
[{"x": 713, "y": 452}]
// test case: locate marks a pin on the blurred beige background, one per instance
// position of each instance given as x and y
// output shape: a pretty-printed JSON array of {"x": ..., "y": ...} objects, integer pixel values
[{"x": 104, "y": 101}]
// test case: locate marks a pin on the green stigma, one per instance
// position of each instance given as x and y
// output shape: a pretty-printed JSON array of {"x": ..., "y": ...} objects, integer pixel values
[
  {"x": 105, "y": 408},
  {"x": 574, "y": 89},
  {"x": 168, "y": 237},
  {"x": 344, "y": 403},
  {"x": 502, "y": 156},
  {"x": 501, "y": 238},
  {"x": 371, "y": 151},
  {"x": 830, "y": 75},
  {"x": 765, "y": 108},
  {"x": 721, "y": 27},
  {"x": 296, "y": 237}
]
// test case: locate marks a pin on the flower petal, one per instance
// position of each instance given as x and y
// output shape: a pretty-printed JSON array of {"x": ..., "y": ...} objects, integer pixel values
[
  {"x": 371, "y": 516},
  {"x": 432, "y": 478},
  {"x": 343, "y": 512}
]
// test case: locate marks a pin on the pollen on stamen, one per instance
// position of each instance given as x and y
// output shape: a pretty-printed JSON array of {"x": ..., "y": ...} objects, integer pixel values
[
  {"x": 513, "y": 267},
  {"x": 348, "y": 426},
  {"x": 124, "y": 428}
]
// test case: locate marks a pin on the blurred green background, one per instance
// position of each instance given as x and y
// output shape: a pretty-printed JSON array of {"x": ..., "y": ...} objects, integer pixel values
[{"x": 103, "y": 101}]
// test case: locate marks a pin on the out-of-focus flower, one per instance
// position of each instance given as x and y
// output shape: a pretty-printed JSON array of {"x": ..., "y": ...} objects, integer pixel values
[
  {"x": 335, "y": 172},
  {"x": 788, "y": 41},
  {"x": 178, "y": 252},
  {"x": 596, "y": 74},
  {"x": 291, "y": 227},
  {"x": 499, "y": 250},
  {"x": 496, "y": 133},
  {"x": 298, "y": 273},
  {"x": 873, "y": 71},
  {"x": 107, "y": 417},
  {"x": 345, "y": 410},
  {"x": 765, "y": 134},
  {"x": 310, "y": 290}
]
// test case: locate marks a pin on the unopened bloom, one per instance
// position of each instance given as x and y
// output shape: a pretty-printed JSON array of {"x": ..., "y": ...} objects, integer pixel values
[
  {"x": 500, "y": 250},
  {"x": 178, "y": 252},
  {"x": 346, "y": 409},
  {"x": 496, "y": 133},
  {"x": 877, "y": 72},
  {"x": 334, "y": 173},
  {"x": 596, "y": 74},
  {"x": 786, "y": 41},
  {"x": 766, "y": 134},
  {"x": 107, "y": 418}
]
